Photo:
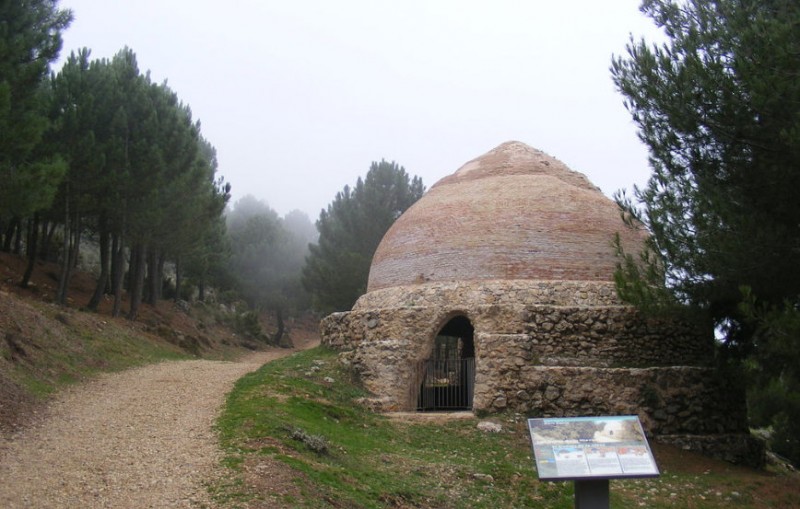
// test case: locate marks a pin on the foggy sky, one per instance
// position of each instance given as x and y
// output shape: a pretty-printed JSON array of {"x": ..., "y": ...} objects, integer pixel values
[{"x": 299, "y": 97}]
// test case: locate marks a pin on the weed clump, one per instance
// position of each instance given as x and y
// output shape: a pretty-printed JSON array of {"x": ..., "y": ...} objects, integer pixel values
[{"x": 316, "y": 443}]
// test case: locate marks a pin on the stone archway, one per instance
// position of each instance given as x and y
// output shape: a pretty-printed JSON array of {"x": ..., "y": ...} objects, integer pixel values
[{"x": 448, "y": 375}]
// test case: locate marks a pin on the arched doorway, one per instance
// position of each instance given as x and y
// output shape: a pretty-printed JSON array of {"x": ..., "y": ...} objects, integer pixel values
[{"x": 448, "y": 376}]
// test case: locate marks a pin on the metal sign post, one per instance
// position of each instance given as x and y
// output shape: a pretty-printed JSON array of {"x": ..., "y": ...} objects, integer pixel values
[
  {"x": 592, "y": 494},
  {"x": 590, "y": 451}
]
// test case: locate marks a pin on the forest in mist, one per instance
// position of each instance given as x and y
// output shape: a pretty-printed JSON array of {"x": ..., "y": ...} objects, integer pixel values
[{"x": 99, "y": 162}]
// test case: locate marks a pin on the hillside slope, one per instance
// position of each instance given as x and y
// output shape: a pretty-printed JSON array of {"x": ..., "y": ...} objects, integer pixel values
[
  {"x": 101, "y": 441},
  {"x": 44, "y": 346}
]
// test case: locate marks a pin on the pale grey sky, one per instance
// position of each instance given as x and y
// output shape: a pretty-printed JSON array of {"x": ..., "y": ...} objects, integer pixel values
[{"x": 299, "y": 97}]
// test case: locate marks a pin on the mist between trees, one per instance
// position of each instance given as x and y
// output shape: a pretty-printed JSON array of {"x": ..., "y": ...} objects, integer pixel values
[
  {"x": 287, "y": 265},
  {"x": 97, "y": 156}
]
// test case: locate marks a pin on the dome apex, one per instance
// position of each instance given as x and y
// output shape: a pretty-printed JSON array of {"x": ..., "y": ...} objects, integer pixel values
[
  {"x": 514, "y": 213},
  {"x": 516, "y": 158}
]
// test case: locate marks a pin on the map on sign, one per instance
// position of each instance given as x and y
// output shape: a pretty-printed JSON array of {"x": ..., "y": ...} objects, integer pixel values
[{"x": 570, "y": 448}]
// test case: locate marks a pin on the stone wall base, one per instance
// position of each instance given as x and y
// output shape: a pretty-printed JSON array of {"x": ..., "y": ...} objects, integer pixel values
[
  {"x": 541, "y": 354},
  {"x": 738, "y": 448}
]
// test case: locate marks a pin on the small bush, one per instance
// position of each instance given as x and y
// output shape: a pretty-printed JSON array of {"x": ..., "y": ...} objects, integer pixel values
[
  {"x": 785, "y": 440},
  {"x": 778, "y": 407},
  {"x": 247, "y": 324},
  {"x": 316, "y": 443}
]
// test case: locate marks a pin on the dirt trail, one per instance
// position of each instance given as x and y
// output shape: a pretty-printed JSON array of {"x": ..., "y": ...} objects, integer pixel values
[{"x": 142, "y": 438}]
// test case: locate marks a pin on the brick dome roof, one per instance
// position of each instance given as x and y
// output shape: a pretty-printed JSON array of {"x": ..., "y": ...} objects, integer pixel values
[{"x": 514, "y": 213}]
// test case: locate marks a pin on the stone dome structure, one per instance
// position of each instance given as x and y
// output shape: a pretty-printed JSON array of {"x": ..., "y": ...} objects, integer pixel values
[
  {"x": 495, "y": 292},
  {"x": 513, "y": 213}
]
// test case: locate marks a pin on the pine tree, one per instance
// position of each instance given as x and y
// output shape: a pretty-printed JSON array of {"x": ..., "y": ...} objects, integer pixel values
[
  {"x": 350, "y": 230},
  {"x": 267, "y": 256},
  {"x": 30, "y": 39},
  {"x": 718, "y": 106}
]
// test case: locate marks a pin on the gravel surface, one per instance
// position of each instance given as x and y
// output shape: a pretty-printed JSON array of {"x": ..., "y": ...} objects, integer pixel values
[{"x": 142, "y": 438}]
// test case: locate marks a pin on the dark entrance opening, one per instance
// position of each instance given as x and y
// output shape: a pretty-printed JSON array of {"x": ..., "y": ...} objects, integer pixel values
[{"x": 448, "y": 376}]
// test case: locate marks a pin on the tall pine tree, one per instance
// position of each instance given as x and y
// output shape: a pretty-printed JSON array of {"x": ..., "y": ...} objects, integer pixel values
[
  {"x": 350, "y": 230},
  {"x": 30, "y": 39},
  {"x": 718, "y": 106}
]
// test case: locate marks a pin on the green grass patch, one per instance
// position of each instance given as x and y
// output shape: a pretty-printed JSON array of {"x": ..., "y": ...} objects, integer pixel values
[
  {"x": 280, "y": 414},
  {"x": 371, "y": 461}
]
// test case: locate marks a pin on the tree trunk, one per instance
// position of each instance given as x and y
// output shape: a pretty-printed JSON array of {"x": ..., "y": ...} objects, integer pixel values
[
  {"x": 7, "y": 234},
  {"x": 48, "y": 240},
  {"x": 177, "y": 279},
  {"x": 127, "y": 283},
  {"x": 17, "y": 243},
  {"x": 102, "y": 280},
  {"x": 72, "y": 242},
  {"x": 151, "y": 295},
  {"x": 10, "y": 234},
  {"x": 33, "y": 239},
  {"x": 162, "y": 260},
  {"x": 137, "y": 270},
  {"x": 77, "y": 226},
  {"x": 118, "y": 272},
  {"x": 280, "y": 339},
  {"x": 66, "y": 263}
]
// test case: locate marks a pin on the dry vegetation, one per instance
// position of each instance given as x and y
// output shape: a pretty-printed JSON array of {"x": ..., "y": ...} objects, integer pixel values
[{"x": 44, "y": 346}]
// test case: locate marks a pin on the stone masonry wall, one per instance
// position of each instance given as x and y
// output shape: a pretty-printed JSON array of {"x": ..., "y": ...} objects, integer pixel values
[
  {"x": 504, "y": 293},
  {"x": 668, "y": 400},
  {"x": 686, "y": 405},
  {"x": 614, "y": 337},
  {"x": 384, "y": 349},
  {"x": 553, "y": 348},
  {"x": 608, "y": 336}
]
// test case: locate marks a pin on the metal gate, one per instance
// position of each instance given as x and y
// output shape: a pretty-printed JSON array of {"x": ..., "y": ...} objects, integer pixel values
[{"x": 447, "y": 384}]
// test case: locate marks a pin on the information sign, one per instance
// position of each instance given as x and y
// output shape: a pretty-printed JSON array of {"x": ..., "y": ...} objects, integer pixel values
[{"x": 577, "y": 448}]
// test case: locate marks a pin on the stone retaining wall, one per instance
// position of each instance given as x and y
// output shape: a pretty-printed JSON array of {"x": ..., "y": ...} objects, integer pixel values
[
  {"x": 739, "y": 448},
  {"x": 551, "y": 361},
  {"x": 668, "y": 400},
  {"x": 608, "y": 336},
  {"x": 614, "y": 337}
]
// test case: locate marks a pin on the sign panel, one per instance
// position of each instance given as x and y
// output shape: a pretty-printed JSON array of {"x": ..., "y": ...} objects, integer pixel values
[{"x": 574, "y": 448}]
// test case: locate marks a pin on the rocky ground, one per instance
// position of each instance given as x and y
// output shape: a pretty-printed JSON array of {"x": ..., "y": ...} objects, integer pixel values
[
  {"x": 140, "y": 438},
  {"x": 136, "y": 439}
]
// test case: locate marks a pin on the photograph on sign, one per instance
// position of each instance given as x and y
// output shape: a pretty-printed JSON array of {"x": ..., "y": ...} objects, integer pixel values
[{"x": 591, "y": 448}]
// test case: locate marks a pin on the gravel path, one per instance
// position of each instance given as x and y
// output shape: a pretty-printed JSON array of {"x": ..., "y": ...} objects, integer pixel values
[{"x": 142, "y": 438}]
